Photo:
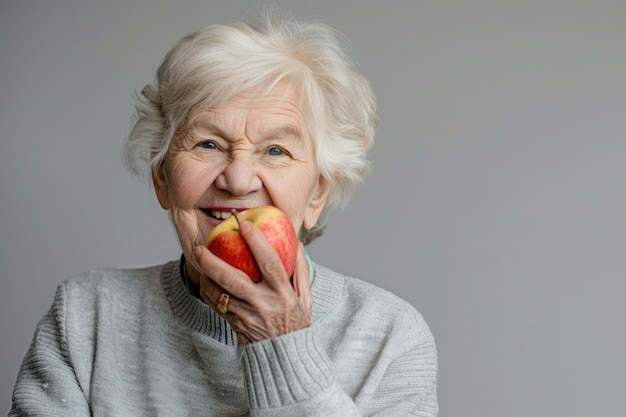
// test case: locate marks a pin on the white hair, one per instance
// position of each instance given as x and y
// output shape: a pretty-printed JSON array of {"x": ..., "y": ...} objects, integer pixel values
[{"x": 210, "y": 66}]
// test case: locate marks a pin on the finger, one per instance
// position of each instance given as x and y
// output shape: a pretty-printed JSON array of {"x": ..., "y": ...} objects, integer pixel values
[
  {"x": 210, "y": 291},
  {"x": 300, "y": 271},
  {"x": 267, "y": 259},
  {"x": 229, "y": 278},
  {"x": 301, "y": 283}
]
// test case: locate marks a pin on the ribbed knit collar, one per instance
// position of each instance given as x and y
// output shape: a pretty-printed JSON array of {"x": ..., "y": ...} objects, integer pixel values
[
  {"x": 195, "y": 314},
  {"x": 327, "y": 291},
  {"x": 199, "y": 317}
]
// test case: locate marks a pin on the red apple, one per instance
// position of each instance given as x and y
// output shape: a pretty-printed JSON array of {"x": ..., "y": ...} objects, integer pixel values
[{"x": 226, "y": 242}]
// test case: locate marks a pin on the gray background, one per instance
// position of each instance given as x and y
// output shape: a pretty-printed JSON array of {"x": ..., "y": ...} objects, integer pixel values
[{"x": 496, "y": 204}]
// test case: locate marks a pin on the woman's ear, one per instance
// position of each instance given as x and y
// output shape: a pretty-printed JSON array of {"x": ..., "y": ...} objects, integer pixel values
[
  {"x": 317, "y": 202},
  {"x": 159, "y": 180}
]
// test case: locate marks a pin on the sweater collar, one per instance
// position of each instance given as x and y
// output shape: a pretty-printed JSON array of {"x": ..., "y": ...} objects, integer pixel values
[
  {"x": 192, "y": 311},
  {"x": 327, "y": 291}
]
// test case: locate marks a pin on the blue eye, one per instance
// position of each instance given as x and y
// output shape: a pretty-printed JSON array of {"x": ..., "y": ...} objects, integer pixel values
[
  {"x": 208, "y": 145},
  {"x": 275, "y": 151}
]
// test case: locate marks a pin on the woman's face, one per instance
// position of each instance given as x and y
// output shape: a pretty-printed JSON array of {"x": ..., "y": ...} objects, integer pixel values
[{"x": 252, "y": 151}]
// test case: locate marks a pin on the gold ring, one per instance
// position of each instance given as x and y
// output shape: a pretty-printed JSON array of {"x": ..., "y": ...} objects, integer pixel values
[{"x": 222, "y": 303}]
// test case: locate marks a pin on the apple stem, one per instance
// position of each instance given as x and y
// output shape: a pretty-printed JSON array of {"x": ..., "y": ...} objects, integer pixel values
[{"x": 234, "y": 213}]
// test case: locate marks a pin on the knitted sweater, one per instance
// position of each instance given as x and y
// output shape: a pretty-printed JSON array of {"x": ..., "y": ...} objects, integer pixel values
[{"x": 135, "y": 343}]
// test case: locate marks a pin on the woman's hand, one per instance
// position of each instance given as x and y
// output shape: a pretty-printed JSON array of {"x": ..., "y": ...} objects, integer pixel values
[{"x": 256, "y": 311}]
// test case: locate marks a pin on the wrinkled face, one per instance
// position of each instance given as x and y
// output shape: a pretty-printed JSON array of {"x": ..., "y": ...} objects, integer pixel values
[{"x": 254, "y": 150}]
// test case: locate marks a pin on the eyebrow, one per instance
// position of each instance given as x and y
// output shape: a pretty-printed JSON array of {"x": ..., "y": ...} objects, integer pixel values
[
  {"x": 288, "y": 130},
  {"x": 284, "y": 131}
]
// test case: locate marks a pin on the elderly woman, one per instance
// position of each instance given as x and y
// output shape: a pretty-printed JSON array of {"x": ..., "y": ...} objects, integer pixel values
[{"x": 240, "y": 116}]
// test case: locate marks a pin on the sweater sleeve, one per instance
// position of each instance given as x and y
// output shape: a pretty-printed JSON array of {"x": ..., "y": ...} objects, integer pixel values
[
  {"x": 291, "y": 375},
  {"x": 409, "y": 384},
  {"x": 46, "y": 383}
]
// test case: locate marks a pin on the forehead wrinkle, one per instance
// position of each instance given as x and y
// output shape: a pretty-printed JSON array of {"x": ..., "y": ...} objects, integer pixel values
[
  {"x": 207, "y": 126},
  {"x": 275, "y": 115},
  {"x": 276, "y": 121},
  {"x": 214, "y": 121}
]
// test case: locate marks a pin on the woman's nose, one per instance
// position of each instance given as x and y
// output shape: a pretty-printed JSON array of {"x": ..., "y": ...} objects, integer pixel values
[{"x": 240, "y": 177}]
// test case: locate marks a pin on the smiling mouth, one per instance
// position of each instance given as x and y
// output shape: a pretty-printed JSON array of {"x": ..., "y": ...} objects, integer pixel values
[{"x": 219, "y": 214}]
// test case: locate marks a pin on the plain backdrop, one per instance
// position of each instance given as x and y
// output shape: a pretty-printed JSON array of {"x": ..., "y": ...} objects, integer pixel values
[{"x": 496, "y": 204}]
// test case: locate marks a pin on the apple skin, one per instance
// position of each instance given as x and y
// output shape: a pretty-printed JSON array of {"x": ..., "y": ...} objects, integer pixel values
[{"x": 226, "y": 242}]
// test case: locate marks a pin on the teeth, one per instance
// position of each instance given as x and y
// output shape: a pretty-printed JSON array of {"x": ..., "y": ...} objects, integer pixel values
[{"x": 222, "y": 215}]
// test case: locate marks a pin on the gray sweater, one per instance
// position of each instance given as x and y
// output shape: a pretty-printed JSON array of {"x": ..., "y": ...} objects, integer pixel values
[{"x": 134, "y": 343}]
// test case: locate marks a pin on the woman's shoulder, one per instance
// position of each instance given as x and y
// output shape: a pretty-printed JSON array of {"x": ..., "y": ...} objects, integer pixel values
[
  {"x": 108, "y": 276},
  {"x": 114, "y": 282},
  {"x": 363, "y": 299},
  {"x": 97, "y": 297}
]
